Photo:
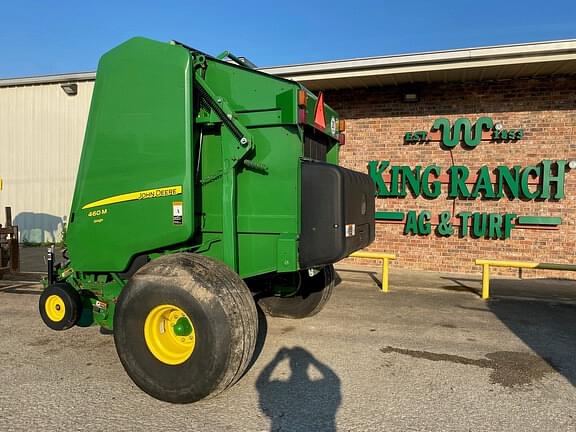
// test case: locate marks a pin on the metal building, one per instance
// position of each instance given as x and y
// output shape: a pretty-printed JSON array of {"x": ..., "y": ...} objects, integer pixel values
[{"x": 41, "y": 132}]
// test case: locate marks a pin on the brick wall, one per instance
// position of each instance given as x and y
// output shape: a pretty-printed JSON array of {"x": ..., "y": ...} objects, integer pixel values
[{"x": 376, "y": 120}]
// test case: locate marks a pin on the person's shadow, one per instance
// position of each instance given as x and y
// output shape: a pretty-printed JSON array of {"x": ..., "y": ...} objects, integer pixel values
[{"x": 306, "y": 400}]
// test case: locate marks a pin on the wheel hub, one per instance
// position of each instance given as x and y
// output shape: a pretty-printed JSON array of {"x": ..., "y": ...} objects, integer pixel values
[
  {"x": 182, "y": 327},
  {"x": 55, "y": 308},
  {"x": 169, "y": 334}
]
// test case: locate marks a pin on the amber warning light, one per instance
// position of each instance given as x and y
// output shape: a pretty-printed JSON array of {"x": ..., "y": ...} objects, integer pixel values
[
  {"x": 302, "y": 98},
  {"x": 341, "y": 129}
]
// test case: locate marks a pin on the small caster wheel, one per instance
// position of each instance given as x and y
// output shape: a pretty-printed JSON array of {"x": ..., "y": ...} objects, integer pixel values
[{"x": 60, "y": 306}]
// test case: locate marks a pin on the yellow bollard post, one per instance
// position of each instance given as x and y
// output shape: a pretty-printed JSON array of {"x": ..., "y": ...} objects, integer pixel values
[
  {"x": 485, "y": 281},
  {"x": 385, "y": 265},
  {"x": 385, "y": 275}
]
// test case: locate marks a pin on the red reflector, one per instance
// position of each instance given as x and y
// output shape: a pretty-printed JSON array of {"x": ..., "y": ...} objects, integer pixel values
[
  {"x": 319, "y": 120},
  {"x": 342, "y": 139},
  {"x": 302, "y": 116}
]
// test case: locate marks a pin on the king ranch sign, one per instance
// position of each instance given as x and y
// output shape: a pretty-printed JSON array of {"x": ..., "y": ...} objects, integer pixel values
[{"x": 543, "y": 181}]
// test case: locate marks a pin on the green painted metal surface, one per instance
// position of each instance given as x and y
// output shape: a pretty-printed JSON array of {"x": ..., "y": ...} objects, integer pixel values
[{"x": 138, "y": 139}]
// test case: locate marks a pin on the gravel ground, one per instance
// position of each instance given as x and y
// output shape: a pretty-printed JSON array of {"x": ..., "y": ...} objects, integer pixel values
[{"x": 425, "y": 357}]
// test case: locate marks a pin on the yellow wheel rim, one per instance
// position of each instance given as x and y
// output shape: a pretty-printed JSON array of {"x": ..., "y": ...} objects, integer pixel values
[
  {"x": 55, "y": 308},
  {"x": 169, "y": 334}
]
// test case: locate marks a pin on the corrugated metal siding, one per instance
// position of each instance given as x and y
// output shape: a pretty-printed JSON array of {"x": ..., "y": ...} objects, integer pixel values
[{"x": 41, "y": 134}]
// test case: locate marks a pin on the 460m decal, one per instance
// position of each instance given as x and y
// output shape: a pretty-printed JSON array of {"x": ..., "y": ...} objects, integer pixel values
[{"x": 135, "y": 196}]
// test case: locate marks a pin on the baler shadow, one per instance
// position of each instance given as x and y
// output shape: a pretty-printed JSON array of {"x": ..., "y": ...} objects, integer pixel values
[{"x": 39, "y": 227}]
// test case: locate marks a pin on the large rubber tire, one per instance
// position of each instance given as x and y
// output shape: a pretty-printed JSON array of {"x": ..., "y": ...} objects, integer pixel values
[
  {"x": 312, "y": 296},
  {"x": 60, "y": 306},
  {"x": 223, "y": 316}
]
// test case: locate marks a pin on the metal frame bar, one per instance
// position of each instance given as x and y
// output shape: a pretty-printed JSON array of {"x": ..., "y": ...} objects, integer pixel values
[
  {"x": 9, "y": 245},
  {"x": 514, "y": 264},
  {"x": 386, "y": 258},
  {"x": 232, "y": 131}
]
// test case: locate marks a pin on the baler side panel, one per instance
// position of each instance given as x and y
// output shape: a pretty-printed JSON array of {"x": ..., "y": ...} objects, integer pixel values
[
  {"x": 268, "y": 202},
  {"x": 137, "y": 156}
]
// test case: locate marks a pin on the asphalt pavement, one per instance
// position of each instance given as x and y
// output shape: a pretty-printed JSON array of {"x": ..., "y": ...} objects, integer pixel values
[{"x": 428, "y": 356}]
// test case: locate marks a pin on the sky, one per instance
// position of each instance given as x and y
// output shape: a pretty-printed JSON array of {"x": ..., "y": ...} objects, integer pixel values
[{"x": 43, "y": 37}]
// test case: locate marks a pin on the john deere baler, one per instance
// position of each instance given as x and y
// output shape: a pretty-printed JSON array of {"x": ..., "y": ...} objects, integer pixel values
[{"x": 204, "y": 186}]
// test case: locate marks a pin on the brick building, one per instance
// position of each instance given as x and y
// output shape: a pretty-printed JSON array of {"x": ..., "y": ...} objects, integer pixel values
[
  {"x": 470, "y": 149},
  {"x": 527, "y": 91}
]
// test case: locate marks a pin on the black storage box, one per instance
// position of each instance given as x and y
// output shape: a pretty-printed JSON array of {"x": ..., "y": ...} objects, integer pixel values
[{"x": 337, "y": 213}]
